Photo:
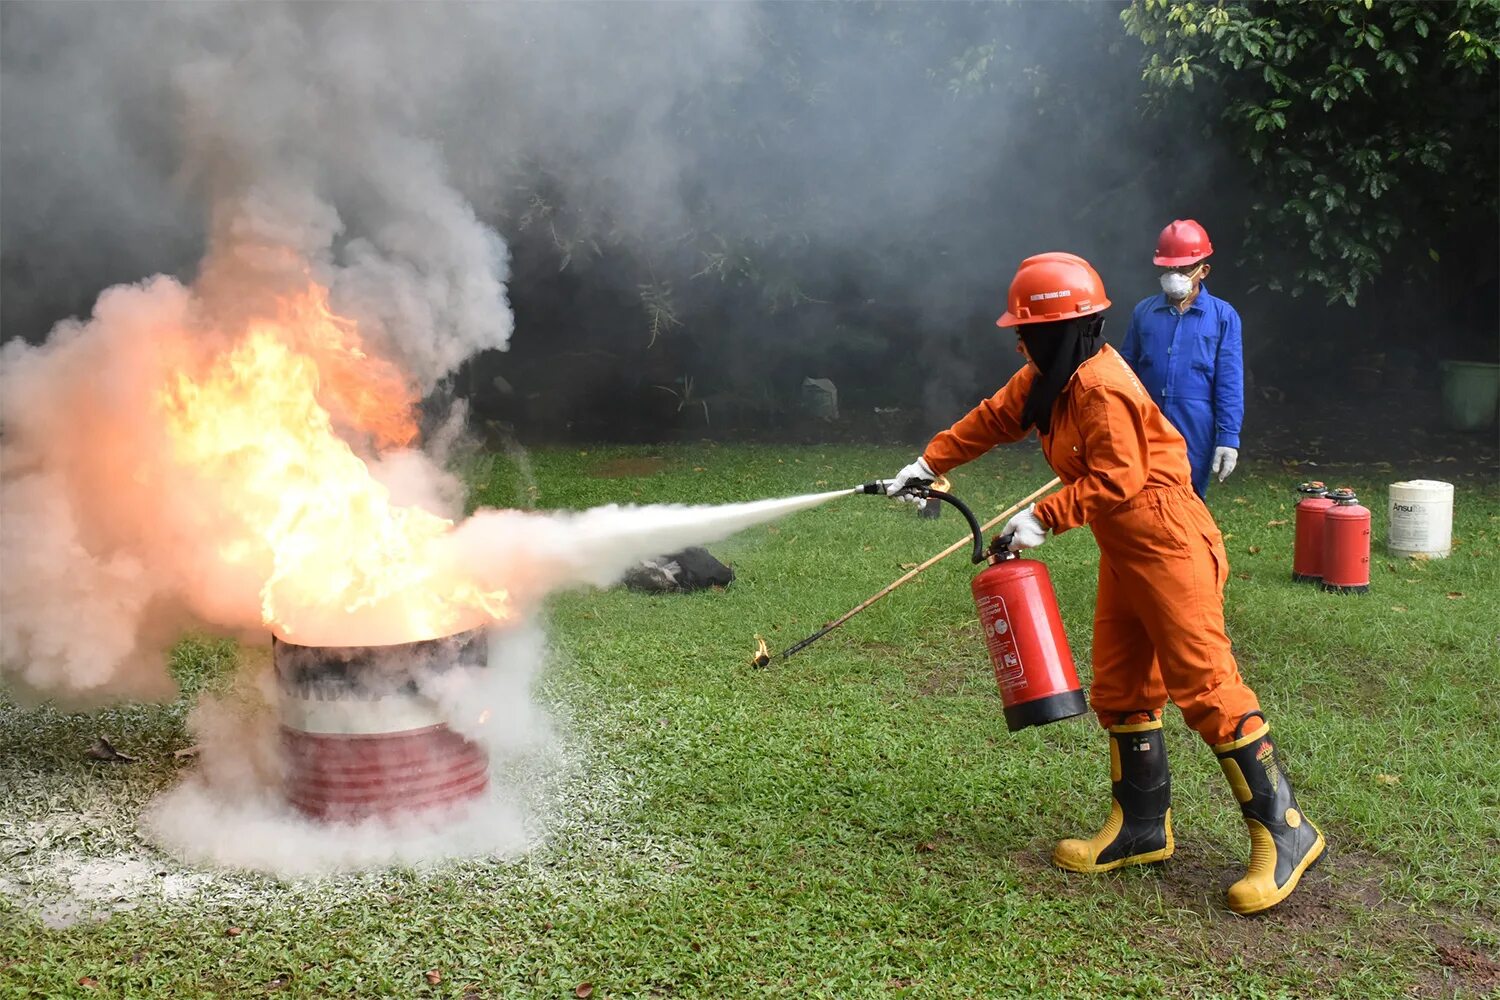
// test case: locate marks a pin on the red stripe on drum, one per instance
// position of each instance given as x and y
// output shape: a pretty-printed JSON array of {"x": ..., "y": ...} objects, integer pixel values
[{"x": 355, "y": 776}]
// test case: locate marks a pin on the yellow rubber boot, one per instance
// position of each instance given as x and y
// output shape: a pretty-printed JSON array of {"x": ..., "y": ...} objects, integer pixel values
[
  {"x": 1283, "y": 842},
  {"x": 1139, "y": 828}
]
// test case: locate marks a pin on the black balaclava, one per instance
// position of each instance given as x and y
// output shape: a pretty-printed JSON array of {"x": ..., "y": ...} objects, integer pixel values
[{"x": 1057, "y": 349}]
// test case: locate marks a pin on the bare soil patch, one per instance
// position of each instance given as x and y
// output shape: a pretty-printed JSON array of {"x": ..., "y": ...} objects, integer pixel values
[{"x": 939, "y": 678}]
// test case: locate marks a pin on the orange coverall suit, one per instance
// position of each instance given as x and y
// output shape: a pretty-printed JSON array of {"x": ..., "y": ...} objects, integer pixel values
[{"x": 1159, "y": 621}]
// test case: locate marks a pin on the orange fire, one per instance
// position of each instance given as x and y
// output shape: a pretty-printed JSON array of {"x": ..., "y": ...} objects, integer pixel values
[{"x": 268, "y": 424}]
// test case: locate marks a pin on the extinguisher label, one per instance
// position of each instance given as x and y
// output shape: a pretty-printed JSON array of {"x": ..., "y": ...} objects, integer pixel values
[{"x": 1001, "y": 639}]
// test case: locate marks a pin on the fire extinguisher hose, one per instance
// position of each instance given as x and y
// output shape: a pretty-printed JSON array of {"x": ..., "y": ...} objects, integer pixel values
[{"x": 909, "y": 575}]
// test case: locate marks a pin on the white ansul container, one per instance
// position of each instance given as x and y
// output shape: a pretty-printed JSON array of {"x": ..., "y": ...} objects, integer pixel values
[{"x": 1421, "y": 519}]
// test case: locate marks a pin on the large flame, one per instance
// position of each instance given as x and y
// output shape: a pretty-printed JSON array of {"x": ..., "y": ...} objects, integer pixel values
[{"x": 269, "y": 424}]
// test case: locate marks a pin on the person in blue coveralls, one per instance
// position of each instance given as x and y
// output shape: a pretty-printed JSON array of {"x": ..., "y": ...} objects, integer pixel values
[{"x": 1184, "y": 344}]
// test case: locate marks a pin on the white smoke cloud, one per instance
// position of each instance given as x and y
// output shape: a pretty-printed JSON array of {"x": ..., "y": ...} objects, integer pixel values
[{"x": 99, "y": 544}]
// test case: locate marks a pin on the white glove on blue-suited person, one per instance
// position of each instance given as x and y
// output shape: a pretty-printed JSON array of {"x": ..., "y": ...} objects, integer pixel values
[
  {"x": 1225, "y": 460},
  {"x": 1026, "y": 530},
  {"x": 917, "y": 470}
]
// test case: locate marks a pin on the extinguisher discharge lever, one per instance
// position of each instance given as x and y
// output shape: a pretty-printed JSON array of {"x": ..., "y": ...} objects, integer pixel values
[{"x": 1000, "y": 545}]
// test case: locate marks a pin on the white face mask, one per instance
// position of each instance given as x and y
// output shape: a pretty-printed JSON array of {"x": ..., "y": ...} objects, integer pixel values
[{"x": 1177, "y": 286}]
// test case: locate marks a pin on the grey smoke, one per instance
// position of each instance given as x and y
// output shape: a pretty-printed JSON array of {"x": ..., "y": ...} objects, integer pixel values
[{"x": 622, "y": 121}]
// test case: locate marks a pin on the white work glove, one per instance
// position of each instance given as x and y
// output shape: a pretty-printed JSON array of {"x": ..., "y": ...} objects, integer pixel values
[
  {"x": 1224, "y": 461},
  {"x": 1026, "y": 530},
  {"x": 917, "y": 470}
]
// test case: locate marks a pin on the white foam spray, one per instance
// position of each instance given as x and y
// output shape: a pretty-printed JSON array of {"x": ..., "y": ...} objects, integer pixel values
[{"x": 532, "y": 554}]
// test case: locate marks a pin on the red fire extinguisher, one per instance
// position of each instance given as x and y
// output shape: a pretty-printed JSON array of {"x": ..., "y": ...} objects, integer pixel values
[
  {"x": 1307, "y": 550},
  {"x": 1022, "y": 628},
  {"x": 1024, "y": 632},
  {"x": 1346, "y": 545}
]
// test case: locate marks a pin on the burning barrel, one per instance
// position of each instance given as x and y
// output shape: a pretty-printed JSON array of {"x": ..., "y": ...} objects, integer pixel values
[{"x": 360, "y": 737}]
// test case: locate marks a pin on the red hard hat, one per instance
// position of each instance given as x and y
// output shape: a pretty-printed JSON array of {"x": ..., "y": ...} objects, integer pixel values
[
  {"x": 1183, "y": 242},
  {"x": 1053, "y": 286}
]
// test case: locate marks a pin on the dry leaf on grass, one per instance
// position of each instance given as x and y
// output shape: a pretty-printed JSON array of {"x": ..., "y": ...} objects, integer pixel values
[
  {"x": 1276, "y": 524},
  {"x": 234, "y": 931},
  {"x": 434, "y": 977},
  {"x": 1387, "y": 779},
  {"x": 88, "y": 981},
  {"x": 583, "y": 991},
  {"x": 1454, "y": 595}
]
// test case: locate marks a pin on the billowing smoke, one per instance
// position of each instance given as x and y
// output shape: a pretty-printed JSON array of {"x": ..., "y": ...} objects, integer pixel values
[
  {"x": 138, "y": 135},
  {"x": 892, "y": 162}
]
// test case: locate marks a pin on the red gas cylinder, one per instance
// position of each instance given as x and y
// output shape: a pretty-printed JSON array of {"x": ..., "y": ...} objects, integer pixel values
[
  {"x": 359, "y": 737},
  {"x": 1346, "y": 545},
  {"x": 1307, "y": 551},
  {"x": 1028, "y": 648}
]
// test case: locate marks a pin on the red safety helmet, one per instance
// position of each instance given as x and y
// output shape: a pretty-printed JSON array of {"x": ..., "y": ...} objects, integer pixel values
[
  {"x": 1183, "y": 242},
  {"x": 1053, "y": 286}
]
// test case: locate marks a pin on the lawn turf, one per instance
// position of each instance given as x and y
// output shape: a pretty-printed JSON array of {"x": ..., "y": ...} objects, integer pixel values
[{"x": 857, "y": 821}]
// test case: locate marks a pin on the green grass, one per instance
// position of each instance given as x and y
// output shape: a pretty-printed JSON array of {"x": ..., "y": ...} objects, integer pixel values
[{"x": 856, "y": 822}]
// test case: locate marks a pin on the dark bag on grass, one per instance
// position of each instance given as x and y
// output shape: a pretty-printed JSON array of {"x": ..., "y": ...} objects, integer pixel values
[{"x": 690, "y": 569}]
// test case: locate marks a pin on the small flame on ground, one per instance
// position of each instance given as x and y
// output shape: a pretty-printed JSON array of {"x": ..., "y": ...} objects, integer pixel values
[{"x": 762, "y": 655}]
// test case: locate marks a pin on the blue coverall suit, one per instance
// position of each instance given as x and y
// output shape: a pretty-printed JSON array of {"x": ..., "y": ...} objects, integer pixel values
[{"x": 1192, "y": 364}]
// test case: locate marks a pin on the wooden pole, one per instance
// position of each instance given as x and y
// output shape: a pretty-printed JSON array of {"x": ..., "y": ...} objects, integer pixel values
[{"x": 964, "y": 542}]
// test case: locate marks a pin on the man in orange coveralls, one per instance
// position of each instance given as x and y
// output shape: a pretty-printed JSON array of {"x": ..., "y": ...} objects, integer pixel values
[{"x": 1159, "y": 622}]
